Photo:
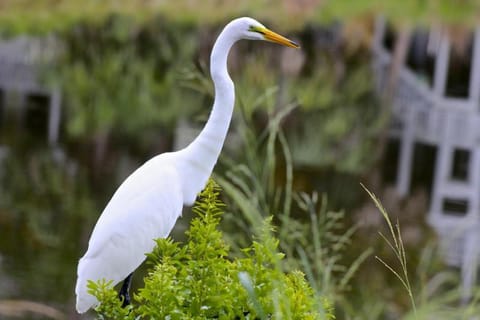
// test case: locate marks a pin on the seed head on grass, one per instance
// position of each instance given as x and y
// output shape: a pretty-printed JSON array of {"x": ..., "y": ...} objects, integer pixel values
[{"x": 396, "y": 244}]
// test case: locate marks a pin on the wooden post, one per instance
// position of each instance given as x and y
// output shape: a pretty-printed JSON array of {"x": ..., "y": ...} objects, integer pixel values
[
  {"x": 474, "y": 181},
  {"x": 407, "y": 143},
  {"x": 379, "y": 32},
  {"x": 474, "y": 90},
  {"x": 441, "y": 68},
  {"x": 469, "y": 263},
  {"x": 54, "y": 117},
  {"x": 442, "y": 169}
]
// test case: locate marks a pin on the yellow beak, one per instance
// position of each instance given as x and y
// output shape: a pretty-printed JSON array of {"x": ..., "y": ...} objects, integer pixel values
[{"x": 275, "y": 37}]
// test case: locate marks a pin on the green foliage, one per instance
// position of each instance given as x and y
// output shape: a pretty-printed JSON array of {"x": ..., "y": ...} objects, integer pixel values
[
  {"x": 334, "y": 121},
  {"x": 111, "y": 306},
  {"x": 340, "y": 119},
  {"x": 433, "y": 292},
  {"x": 322, "y": 254},
  {"x": 114, "y": 77},
  {"x": 41, "y": 192},
  {"x": 251, "y": 184},
  {"x": 396, "y": 244},
  {"x": 404, "y": 12},
  {"x": 43, "y": 16},
  {"x": 256, "y": 83},
  {"x": 131, "y": 68},
  {"x": 199, "y": 279},
  {"x": 313, "y": 237}
]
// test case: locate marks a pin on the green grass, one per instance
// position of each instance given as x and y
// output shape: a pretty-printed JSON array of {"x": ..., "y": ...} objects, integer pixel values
[
  {"x": 44, "y": 16},
  {"x": 397, "y": 247}
]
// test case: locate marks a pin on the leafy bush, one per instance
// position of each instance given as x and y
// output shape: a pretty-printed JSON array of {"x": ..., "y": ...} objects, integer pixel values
[
  {"x": 337, "y": 130},
  {"x": 198, "y": 279},
  {"x": 126, "y": 69}
]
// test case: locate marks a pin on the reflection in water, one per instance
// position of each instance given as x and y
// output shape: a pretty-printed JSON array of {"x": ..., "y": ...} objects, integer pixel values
[
  {"x": 44, "y": 210},
  {"x": 47, "y": 211},
  {"x": 21, "y": 308},
  {"x": 43, "y": 274}
]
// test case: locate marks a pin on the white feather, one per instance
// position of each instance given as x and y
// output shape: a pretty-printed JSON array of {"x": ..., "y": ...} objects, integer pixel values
[{"x": 145, "y": 207}]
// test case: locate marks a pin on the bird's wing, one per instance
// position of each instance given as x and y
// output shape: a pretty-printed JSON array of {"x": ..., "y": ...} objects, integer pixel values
[{"x": 145, "y": 207}]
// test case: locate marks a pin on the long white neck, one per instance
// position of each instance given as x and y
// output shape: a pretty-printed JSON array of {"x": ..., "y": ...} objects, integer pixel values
[{"x": 202, "y": 154}]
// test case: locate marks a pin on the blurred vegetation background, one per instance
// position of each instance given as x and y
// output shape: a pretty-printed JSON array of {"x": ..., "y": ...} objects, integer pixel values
[{"x": 308, "y": 128}]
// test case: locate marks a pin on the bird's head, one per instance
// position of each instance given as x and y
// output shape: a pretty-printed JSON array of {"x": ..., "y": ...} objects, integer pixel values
[{"x": 251, "y": 29}]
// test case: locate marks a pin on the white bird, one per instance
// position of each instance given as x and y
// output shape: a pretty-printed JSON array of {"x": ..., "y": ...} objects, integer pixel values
[{"x": 147, "y": 204}]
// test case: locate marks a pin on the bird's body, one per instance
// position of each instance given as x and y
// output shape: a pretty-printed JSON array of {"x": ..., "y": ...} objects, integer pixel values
[
  {"x": 121, "y": 237},
  {"x": 148, "y": 203}
]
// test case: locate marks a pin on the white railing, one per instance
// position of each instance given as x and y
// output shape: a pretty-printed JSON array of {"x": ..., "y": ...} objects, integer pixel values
[
  {"x": 448, "y": 123},
  {"x": 19, "y": 59}
]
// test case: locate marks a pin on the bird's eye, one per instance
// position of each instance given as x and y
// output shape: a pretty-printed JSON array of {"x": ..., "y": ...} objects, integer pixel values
[{"x": 256, "y": 29}]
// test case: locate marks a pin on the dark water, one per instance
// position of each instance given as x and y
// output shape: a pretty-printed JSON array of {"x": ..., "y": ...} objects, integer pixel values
[
  {"x": 46, "y": 214},
  {"x": 32, "y": 270},
  {"x": 43, "y": 233}
]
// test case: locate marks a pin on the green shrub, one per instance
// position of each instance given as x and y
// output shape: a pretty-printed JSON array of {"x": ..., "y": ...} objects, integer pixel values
[{"x": 199, "y": 280}]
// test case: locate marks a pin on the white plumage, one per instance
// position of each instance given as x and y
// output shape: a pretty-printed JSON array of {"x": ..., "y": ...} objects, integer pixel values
[
  {"x": 140, "y": 210},
  {"x": 147, "y": 204}
]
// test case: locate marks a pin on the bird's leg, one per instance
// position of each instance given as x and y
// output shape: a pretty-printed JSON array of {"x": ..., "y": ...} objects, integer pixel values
[{"x": 123, "y": 294}]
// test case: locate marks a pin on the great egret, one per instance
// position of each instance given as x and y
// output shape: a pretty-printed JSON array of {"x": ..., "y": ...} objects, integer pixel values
[{"x": 147, "y": 204}]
